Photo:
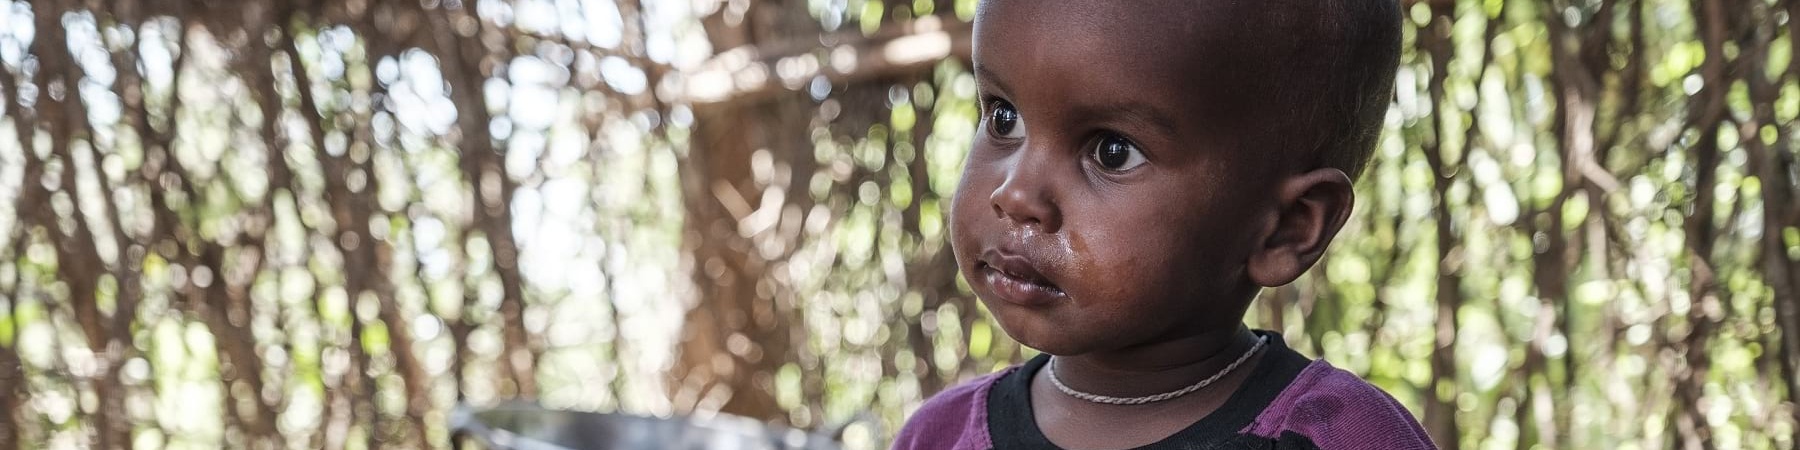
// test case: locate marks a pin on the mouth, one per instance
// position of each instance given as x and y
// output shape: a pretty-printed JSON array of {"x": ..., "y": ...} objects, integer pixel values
[{"x": 1016, "y": 280}]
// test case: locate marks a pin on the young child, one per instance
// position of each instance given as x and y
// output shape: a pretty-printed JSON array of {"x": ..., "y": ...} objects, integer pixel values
[{"x": 1143, "y": 169}]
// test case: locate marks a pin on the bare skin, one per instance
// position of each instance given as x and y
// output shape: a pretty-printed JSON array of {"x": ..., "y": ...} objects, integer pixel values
[{"x": 1116, "y": 210}]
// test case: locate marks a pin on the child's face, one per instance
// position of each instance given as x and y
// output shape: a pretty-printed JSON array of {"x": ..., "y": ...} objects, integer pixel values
[{"x": 1109, "y": 200}]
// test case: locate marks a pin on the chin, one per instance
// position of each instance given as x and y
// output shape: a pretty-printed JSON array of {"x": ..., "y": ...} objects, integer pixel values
[
  {"x": 1054, "y": 346},
  {"x": 1037, "y": 330}
]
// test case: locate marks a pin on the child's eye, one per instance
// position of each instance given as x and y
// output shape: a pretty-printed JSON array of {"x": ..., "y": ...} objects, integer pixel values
[
  {"x": 1117, "y": 154},
  {"x": 1003, "y": 121}
]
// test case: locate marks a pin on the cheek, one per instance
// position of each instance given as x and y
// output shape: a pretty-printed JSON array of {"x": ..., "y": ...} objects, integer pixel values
[
  {"x": 1123, "y": 262},
  {"x": 1134, "y": 258},
  {"x": 969, "y": 203}
]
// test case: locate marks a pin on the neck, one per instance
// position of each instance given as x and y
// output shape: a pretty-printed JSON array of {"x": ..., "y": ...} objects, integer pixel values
[{"x": 1155, "y": 367}]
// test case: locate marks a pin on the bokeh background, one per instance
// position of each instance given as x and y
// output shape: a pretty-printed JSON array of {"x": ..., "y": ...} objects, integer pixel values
[{"x": 325, "y": 223}]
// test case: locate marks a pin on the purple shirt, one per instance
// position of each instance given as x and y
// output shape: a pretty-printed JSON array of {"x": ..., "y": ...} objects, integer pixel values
[{"x": 1289, "y": 402}]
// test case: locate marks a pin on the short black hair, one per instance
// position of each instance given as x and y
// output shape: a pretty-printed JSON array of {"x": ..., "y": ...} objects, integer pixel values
[{"x": 1336, "y": 83}]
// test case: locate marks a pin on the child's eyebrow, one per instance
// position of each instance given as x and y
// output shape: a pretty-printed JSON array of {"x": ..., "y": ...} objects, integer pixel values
[
  {"x": 984, "y": 75},
  {"x": 1138, "y": 114}
]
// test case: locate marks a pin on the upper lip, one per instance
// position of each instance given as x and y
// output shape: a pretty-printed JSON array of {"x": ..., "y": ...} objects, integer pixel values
[{"x": 1015, "y": 265}]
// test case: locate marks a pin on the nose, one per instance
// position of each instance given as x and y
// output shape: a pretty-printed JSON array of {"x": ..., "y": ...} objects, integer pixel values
[{"x": 1024, "y": 196}]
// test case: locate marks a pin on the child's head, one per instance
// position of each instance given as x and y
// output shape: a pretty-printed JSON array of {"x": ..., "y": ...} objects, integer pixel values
[{"x": 1144, "y": 168}]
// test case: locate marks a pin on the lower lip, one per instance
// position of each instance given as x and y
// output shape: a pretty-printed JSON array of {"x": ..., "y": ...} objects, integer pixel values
[{"x": 1018, "y": 291}]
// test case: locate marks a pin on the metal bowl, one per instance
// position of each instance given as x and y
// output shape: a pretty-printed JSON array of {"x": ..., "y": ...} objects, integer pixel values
[{"x": 522, "y": 426}]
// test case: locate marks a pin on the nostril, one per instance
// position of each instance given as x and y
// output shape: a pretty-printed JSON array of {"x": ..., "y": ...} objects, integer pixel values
[
  {"x": 1013, "y": 206},
  {"x": 1024, "y": 200}
]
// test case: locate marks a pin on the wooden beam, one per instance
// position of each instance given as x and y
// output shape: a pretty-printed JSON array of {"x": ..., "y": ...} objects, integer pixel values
[{"x": 749, "y": 73}]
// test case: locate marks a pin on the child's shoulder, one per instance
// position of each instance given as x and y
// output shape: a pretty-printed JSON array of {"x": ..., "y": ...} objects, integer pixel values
[
  {"x": 1334, "y": 408},
  {"x": 953, "y": 419}
]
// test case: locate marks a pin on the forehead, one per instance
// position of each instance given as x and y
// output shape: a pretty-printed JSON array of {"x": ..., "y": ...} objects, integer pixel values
[{"x": 1193, "y": 59}]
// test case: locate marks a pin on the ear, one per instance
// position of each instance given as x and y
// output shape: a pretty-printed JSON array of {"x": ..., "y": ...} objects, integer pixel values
[{"x": 1311, "y": 208}]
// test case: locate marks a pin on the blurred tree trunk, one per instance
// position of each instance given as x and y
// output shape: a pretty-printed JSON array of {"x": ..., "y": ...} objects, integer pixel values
[
  {"x": 79, "y": 266},
  {"x": 11, "y": 397},
  {"x": 347, "y": 398},
  {"x": 1706, "y": 112},
  {"x": 469, "y": 59},
  {"x": 933, "y": 272},
  {"x": 1578, "y": 85},
  {"x": 1440, "y": 396},
  {"x": 1775, "y": 164},
  {"x": 14, "y": 391},
  {"x": 739, "y": 333},
  {"x": 746, "y": 324},
  {"x": 933, "y": 276}
]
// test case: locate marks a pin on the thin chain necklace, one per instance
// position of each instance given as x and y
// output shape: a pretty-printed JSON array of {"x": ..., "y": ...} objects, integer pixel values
[{"x": 1096, "y": 398}]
